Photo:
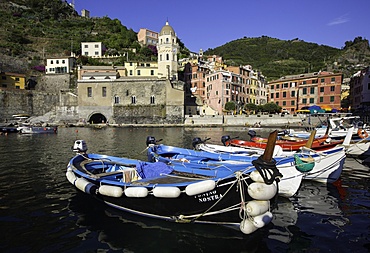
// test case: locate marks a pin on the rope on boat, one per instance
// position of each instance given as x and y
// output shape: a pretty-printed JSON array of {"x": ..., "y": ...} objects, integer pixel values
[
  {"x": 267, "y": 170},
  {"x": 185, "y": 219}
]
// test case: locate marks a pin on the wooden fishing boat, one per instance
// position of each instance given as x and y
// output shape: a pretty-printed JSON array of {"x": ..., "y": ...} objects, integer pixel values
[
  {"x": 318, "y": 144},
  {"x": 179, "y": 193},
  {"x": 288, "y": 185},
  {"x": 326, "y": 165}
]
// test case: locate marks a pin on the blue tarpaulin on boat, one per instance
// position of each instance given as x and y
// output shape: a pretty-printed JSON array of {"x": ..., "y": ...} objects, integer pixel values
[{"x": 149, "y": 170}]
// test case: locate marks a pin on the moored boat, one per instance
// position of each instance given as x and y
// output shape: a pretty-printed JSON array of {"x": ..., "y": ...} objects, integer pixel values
[
  {"x": 318, "y": 144},
  {"x": 37, "y": 129},
  {"x": 175, "y": 192}
]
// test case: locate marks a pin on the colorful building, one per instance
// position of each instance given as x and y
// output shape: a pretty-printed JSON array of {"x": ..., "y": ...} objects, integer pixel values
[
  {"x": 12, "y": 80},
  {"x": 296, "y": 91}
]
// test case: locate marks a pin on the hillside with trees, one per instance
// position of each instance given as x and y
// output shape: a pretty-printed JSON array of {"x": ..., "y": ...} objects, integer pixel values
[
  {"x": 33, "y": 30},
  {"x": 276, "y": 58}
]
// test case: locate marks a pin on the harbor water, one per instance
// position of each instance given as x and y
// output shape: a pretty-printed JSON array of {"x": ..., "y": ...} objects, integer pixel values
[{"x": 40, "y": 211}]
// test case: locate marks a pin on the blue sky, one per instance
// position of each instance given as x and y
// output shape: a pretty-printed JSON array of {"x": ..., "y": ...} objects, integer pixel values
[{"x": 207, "y": 24}]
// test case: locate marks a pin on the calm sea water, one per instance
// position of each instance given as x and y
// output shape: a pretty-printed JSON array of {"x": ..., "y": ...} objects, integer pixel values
[{"x": 40, "y": 211}]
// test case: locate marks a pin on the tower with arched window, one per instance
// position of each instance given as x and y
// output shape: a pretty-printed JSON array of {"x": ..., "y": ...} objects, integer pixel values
[{"x": 167, "y": 48}]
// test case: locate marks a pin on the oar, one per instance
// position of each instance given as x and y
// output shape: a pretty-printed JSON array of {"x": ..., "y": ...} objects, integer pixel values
[
  {"x": 267, "y": 154},
  {"x": 310, "y": 139}
]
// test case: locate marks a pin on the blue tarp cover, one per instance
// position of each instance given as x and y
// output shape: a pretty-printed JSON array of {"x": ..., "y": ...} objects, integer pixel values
[{"x": 149, "y": 170}]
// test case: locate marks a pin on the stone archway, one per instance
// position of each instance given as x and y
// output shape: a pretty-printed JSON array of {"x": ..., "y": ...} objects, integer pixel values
[{"x": 97, "y": 118}]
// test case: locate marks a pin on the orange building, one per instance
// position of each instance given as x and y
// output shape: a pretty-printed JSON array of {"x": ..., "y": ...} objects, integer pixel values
[{"x": 296, "y": 91}]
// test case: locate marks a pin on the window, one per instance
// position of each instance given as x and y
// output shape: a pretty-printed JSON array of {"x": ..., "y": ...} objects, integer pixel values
[
  {"x": 57, "y": 61},
  {"x": 133, "y": 99},
  {"x": 304, "y": 101},
  {"x": 17, "y": 79},
  {"x": 96, "y": 46},
  {"x": 89, "y": 92},
  {"x": 116, "y": 99},
  {"x": 284, "y": 94},
  {"x": 3, "y": 77},
  {"x": 96, "y": 53},
  {"x": 63, "y": 61},
  {"x": 130, "y": 72},
  {"x": 284, "y": 103},
  {"x": 152, "y": 72},
  {"x": 312, "y": 90},
  {"x": 292, "y": 102},
  {"x": 331, "y": 98},
  {"x": 104, "y": 91},
  {"x": 167, "y": 57},
  {"x": 321, "y": 99},
  {"x": 332, "y": 88},
  {"x": 333, "y": 79},
  {"x": 138, "y": 72},
  {"x": 321, "y": 89},
  {"x": 304, "y": 91},
  {"x": 312, "y": 100},
  {"x": 86, "y": 53},
  {"x": 277, "y": 95},
  {"x": 86, "y": 46},
  {"x": 323, "y": 80},
  {"x": 292, "y": 93},
  {"x": 272, "y": 95},
  {"x": 51, "y": 62},
  {"x": 272, "y": 87},
  {"x": 152, "y": 100}
]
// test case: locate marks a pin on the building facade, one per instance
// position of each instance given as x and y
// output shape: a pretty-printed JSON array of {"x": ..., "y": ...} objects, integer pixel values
[
  {"x": 296, "y": 91},
  {"x": 149, "y": 69},
  {"x": 93, "y": 49},
  {"x": 60, "y": 65},
  {"x": 147, "y": 37},
  {"x": 10, "y": 80},
  {"x": 360, "y": 90}
]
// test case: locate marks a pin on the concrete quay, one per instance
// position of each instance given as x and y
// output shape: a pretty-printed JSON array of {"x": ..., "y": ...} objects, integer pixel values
[
  {"x": 275, "y": 120},
  {"x": 264, "y": 121}
]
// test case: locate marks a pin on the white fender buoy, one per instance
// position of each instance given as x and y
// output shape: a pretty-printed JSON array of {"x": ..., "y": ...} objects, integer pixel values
[
  {"x": 257, "y": 207},
  {"x": 200, "y": 187},
  {"x": 166, "y": 192},
  {"x": 111, "y": 191},
  {"x": 262, "y": 191},
  {"x": 71, "y": 176},
  {"x": 262, "y": 220},
  {"x": 136, "y": 192},
  {"x": 256, "y": 176},
  {"x": 85, "y": 185},
  {"x": 247, "y": 227}
]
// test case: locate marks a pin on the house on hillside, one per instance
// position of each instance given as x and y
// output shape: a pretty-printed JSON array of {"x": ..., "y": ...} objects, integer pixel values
[
  {"x": 61, "y": 65},
  {"x": 93, "y": 49},
  {"x": 12, "y": 80}
]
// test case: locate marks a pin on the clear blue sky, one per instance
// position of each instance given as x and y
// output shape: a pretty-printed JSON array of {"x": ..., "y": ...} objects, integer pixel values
[{"x": 206, "y": 24}]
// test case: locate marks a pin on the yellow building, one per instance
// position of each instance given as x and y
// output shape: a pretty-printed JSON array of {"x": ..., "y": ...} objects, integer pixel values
[
  {"x": 148, "y": 69},
  {"x": 12, "y": 80}
]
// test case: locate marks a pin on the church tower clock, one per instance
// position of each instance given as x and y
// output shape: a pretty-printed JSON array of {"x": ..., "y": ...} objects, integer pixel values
[{"x": 167, "y": 49}]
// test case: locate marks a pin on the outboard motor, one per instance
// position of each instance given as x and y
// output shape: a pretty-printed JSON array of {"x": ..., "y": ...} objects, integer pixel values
[
  {"x": 225, "y": 139},
  {"x": 150, "y": 140},
  {"x": 79, "y": 146},
  {"x": 252, "y": 133},
  {"x": 196, "y": 141}
]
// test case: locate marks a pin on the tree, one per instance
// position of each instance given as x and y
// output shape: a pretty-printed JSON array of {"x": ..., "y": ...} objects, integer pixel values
[
  {"x": 250, "y": 107},
  {"x": 230, "y": 106},
  {"x": 271, "y": 108}
]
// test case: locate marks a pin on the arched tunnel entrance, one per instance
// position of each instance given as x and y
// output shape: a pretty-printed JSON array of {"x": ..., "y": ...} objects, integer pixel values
[{"x": 97, "y": 118}]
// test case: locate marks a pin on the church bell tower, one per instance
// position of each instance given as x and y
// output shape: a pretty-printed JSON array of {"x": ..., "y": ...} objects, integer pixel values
[{"x": 167, "y": 49}]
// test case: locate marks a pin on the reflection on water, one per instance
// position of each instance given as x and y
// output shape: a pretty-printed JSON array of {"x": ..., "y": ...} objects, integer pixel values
[{"x": 41, "y": 212}]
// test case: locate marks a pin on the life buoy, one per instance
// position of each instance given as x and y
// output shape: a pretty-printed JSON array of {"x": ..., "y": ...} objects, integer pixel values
[{"x": 362, "y": 133}]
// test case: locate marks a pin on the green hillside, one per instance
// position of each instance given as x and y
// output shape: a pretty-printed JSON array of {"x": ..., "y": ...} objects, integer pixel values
[
  {"x": 33, "y": 30},
  {"x": 276, "y": 58}
]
